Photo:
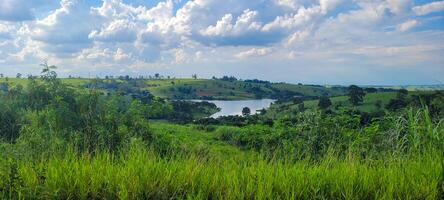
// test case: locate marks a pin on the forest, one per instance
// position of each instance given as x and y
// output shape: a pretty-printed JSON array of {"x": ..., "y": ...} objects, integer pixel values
[{"x": 129, "y": 138}]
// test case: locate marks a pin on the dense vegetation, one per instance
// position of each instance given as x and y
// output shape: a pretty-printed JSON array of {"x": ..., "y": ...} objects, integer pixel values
[{"x": 61, "y": 142}]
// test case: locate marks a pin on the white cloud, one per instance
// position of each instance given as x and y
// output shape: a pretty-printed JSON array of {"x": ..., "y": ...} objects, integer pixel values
[
  {"x": 120, "y": 30},
  {"x": 327, "y": 5},
  {"x": 399, "y": 6},
  {"x": 224, "y": 27},
  {"x": 162, "y": 11},
  {"x": 303, "y": 16},
  {"x": 429, "y": 8},
  {"x": 298, "y": 36},
  {"x": 292, "y": 4},
  {"x": 254, "y": 52},
  {"x": 126, "y": 37},
  {"x": 407, "y": 25},
  {"x": 121, "y": 55},
  {"x": 64, "y": 30}
]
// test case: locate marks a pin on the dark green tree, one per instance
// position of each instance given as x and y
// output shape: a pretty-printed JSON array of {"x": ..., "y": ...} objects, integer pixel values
[
  {"x": 356, "y": 95},
  {"x": 324, "y": 103},
  {"x": 246, "y": 111}
]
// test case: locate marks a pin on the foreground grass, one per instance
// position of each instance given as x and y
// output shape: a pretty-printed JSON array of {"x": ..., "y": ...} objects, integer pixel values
[{"x": 140, "y": 174}]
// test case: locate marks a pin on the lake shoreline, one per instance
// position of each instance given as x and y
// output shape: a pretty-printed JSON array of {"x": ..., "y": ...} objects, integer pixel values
[{"x": 234, "y": 107}]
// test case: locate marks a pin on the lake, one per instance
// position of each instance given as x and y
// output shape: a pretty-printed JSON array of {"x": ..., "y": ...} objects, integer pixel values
[{"x": 235, "y": 107}]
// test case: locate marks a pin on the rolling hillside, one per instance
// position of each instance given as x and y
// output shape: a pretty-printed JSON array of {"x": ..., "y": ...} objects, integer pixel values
[
  {"x": 231, "y": 90},
  {"x": 340, "y": 102}
]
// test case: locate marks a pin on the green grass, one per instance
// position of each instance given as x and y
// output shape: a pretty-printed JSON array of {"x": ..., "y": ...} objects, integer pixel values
[
  {"x": 75, "y": 82},
  {"x": 140, "y": 174},
  {"x": 218, "y": 89},
  {"x": 120, "y": 155},
  {"x": 189, "y": 138},
  {"x": 369, "y": 104},
  {"x": 230, "y": 90}
]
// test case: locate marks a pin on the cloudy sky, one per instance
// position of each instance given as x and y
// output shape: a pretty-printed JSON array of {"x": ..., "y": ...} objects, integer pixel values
[{"x": 308, "y": 41}]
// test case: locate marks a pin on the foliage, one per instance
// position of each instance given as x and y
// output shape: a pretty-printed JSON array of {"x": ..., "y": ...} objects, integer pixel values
[
  {"x": 246, "y": 111},
  {"x": 356, "y": 94},
  {"x": 324, "y": 103},
  {"x": 57, "y": 142}
]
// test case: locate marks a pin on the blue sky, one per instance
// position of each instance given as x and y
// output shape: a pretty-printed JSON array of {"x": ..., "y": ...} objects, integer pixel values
[{"x": 309, "y": 41}]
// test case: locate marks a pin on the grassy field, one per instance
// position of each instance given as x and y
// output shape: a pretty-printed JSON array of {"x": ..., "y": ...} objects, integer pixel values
[
  {"x": 231, "y": 90},
  {"x": 59, "y": 143},
  {"x": 186, "y": 162},
  {"x": 340, "y": 102},
  {"x": 75, "y": 82},
  {"x": 415, "y": 87},
  {"x": 216, "y": 89},
  {"x": 140, "y": 174},
  {"x": 196, "y": 165}
]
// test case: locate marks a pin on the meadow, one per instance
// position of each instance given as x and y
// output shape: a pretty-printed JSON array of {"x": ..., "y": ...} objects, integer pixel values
[{"x": 67, "y": 140}]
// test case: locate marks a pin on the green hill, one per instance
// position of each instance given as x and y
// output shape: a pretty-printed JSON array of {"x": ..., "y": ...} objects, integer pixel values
[
  {"x": 231, "y": 90},
  {"x": 201, "y": 88},
  {"x": 340, "y": 102}
]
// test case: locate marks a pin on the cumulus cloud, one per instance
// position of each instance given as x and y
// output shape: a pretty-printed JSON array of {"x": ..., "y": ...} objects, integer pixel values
[
  {"x": 120, "y": 30},
  {"x": 66, "y": 29},
  {"x": 407, "y": 25},
  {"x": 121, "y": 35},
  {"x": 429, "y": 8},
  {"x": 225, "y": 27}
]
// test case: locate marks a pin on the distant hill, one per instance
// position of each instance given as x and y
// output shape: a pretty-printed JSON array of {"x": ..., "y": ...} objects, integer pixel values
[
  {"x": 411, "y": 87},
  {"x": 369, "y": 105},
  {"x": 235, "y": 89},
  {"x": 217, "y": 89}
]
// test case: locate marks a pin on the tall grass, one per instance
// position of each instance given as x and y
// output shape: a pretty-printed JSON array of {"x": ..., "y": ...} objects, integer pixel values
[
  {"x": 412, "y": 169},
  {"x": 140, "y": 174}
]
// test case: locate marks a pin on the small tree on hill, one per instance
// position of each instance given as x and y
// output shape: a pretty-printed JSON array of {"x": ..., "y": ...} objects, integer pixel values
[
  {"x": 324, "y": 103},
  {"x": 246, "y": 111},
  {"x": 356, "y": 95}
]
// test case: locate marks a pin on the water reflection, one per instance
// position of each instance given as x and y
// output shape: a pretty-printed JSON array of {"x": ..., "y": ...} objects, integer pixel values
[{"x": 235, "y": 107}]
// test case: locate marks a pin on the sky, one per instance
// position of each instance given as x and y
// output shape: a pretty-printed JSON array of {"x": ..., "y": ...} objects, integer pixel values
[{"x": 367, "y": 42}]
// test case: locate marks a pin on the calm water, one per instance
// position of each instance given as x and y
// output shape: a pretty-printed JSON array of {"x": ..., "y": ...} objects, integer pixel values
[{"x": 235, "y": 107}]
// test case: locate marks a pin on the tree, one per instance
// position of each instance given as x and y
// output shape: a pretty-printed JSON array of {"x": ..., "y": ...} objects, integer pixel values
[
  {"x": 324, "y": 103},
  {"x": 396, "y": 104},
  {"x": 194, "y": 76},
  {"x": 371, "y": 90},
  {"x": 356, "y": 95},
  {"x": 48, "y": 73},
  {"x": 246, "y": 111},
  {"x": 18, "y": 75}
]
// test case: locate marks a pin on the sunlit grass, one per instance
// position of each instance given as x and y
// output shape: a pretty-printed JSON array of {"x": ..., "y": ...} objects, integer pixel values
[{"x": 140, "y": 174}]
